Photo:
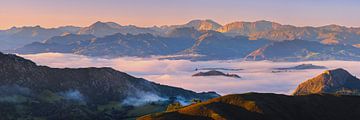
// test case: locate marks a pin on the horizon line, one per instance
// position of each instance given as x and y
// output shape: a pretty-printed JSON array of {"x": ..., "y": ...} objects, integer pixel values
[{"x": 148, "y": 26}]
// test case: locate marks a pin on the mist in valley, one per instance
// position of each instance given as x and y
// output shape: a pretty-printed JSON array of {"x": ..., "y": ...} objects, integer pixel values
[{"x": 256, "y": 76}]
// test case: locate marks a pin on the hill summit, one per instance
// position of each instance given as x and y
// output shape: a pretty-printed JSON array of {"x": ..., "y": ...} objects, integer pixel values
[{"x": 337, "y": 81}]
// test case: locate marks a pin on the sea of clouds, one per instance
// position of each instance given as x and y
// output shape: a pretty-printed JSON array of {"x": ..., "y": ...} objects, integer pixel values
[{"x": 256, "y": 76}]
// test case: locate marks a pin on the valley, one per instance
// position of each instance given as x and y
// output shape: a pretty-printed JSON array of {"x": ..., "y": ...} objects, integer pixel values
[{"x": 257, "y": 76}]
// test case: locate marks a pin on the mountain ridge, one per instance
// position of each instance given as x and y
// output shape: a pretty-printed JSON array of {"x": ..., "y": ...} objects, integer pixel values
[
  {"x": 319, "y": 26},
  {"x": 207, "y": 39},
  {"x": 327, "y": 34}
]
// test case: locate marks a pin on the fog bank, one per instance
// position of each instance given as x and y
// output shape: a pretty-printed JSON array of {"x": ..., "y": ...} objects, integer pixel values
[{"x": 256, "y": 76}]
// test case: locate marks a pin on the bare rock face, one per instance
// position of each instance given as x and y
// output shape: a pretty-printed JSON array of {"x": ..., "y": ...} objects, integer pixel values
[{"x": 337, "y": 81}]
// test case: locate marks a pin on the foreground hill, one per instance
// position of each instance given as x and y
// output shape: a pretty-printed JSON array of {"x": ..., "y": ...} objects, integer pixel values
[
  {"x": 31, "y": 91},
  {"x": 338, "y": 81},
  {"x": 261, "y": 106}
]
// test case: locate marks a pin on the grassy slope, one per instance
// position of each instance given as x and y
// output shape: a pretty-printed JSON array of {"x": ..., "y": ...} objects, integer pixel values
[{"x": 258, "y": 106}]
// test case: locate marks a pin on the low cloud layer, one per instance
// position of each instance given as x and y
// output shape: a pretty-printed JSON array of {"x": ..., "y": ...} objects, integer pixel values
[
  {"x": 141, "y": 98},
  {"x": 256, "y": 76},
  {"x": 72, "y": 95}
]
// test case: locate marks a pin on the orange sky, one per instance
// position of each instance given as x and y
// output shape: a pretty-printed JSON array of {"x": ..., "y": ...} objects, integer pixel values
[{"x": 53, "y": 13}]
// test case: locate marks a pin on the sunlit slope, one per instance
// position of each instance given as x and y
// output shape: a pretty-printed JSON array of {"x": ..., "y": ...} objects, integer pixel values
[{"x": 262, "y": 106}]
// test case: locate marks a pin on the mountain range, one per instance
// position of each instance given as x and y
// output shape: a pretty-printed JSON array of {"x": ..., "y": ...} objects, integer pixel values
[
  {"x": 29, "y": 91},
  {"x": 196, "y": 40}
]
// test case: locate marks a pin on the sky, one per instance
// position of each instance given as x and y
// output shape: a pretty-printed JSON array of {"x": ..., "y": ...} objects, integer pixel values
[{"x": 53, "y": 13}]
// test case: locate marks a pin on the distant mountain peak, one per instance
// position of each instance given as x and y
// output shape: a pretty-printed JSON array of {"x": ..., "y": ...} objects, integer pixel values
[
  {"x": 202, "y": 20},
  {"x": 113, "y": 24},
  {"x": 101, "y": 29},
  {"x": 203, "y": 24},
  {"x": 99, "y": 24}
]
